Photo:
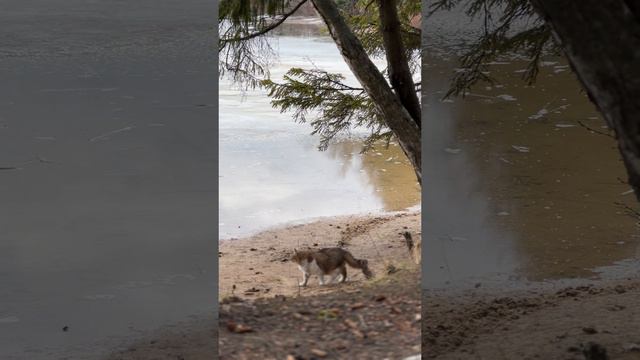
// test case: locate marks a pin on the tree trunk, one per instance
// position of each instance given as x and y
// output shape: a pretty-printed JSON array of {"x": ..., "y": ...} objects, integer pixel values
[
  {"x": 397, "y": 118},
  {"x": 399, "y": 73},
  {"x": 601, "y": 39}
]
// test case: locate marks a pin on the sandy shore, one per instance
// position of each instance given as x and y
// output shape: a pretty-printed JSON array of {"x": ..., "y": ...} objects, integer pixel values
[
  {"x": 265, "y": 314},
  {"x": 577, "y": 320},
  {"x": 546, "y": 321},
  {"x": 258, "y": 266}
]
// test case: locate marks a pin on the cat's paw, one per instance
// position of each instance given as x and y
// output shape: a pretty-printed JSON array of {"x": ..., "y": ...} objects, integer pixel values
[{"x": 302, "y": 284}]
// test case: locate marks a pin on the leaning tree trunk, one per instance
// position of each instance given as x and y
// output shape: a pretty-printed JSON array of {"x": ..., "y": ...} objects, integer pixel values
[
  {"x": 397, "y": 118},
  {"x": 601, "y": 39},
  {"x": 399, "y": 73}
]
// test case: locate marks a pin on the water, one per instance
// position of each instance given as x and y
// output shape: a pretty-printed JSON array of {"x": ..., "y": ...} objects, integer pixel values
[
  {"x": 271, "y": 172},
  {"x": 106, "y": 223},
  {"x": 516, "y": 186}
]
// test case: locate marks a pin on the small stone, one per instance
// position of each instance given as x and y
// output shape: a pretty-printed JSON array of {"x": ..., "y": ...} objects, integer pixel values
[
  {"x": 358, "y": 333},
  {"x": 319, "y": 353},
  {"x": 350, "y": 323},
  {"x": 238, "y": 328},
  {"x": 379, "y": 298}
]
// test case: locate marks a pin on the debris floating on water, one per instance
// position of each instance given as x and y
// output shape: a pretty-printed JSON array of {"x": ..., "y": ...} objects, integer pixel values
[
  {"x": 506, "y": 97},
  {"x": 522, "y": 149}
]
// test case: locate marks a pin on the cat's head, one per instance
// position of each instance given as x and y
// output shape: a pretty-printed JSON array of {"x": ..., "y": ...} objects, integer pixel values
[{"x": 299, "y": 257}]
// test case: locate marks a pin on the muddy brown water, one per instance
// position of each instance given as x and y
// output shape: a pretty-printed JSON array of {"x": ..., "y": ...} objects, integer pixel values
[{"x": 516, "y": 184}]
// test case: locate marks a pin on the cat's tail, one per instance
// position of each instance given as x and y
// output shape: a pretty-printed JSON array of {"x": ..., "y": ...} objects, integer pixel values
[{"x": 361, "y": 264}]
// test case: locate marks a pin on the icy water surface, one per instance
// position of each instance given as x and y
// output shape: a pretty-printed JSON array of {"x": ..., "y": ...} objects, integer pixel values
[
  {"x": 271, "y": 171},
  {"x": 107, "y": 141}
]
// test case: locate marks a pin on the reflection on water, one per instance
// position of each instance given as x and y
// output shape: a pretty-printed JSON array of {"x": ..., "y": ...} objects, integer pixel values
[
  {"x": 539, "y": 191},
  {"x": 552, "y": 181},
  {"x": 387, "y": 170},
  {"x": 271, "y": 171}
]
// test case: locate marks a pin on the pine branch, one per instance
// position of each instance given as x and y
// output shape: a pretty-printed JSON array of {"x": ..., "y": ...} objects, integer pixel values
[{"x": 266, "y": 29}]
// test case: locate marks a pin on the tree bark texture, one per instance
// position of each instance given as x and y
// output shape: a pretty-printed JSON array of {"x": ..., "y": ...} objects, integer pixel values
[
  {"x": 399, "y": 73},
  {"x": 601, "y": 39},
  {"x": 397, "y": 117}
]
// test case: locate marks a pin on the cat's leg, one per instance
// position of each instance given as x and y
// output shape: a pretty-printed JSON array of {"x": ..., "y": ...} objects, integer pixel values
[
  {"x": 305, "y": 279},
  {"x": 343, "y": 273},
  {"x": 321, "y": 279},
  {"x": 334, "y": 276}
]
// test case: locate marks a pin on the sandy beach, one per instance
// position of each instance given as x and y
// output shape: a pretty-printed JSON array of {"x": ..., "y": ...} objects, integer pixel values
[
  {"x": 266, "y": 290},
  {"x": 265, "y": 314},
  {"x": 259, "y": 265}
]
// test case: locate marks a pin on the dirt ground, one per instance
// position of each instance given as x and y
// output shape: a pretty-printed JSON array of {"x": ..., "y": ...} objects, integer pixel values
[
  {"x": 597, "y": 321},
  {"x": 267, "y": 316},
  {"x": 259, "y": 266},
  {"x": 379, "y": 320},
  {"x": 264, "y": 314}
]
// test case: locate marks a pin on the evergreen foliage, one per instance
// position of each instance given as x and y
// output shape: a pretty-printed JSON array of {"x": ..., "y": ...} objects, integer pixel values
[
  {"x": 313, "y": 96},
  {"x": 510, "y": 28}
]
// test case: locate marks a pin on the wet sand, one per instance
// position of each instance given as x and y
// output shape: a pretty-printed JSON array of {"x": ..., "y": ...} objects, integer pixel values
[
  {"x": 107, "y": 116},
  {"x": 556, "y": 320}
]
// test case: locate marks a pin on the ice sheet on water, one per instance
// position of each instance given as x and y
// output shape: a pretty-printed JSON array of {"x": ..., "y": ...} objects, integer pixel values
[
  {"x": 540, "y": 114},
  {"x": 506, "y": 97},
  {"x": 522, "y": 149}
]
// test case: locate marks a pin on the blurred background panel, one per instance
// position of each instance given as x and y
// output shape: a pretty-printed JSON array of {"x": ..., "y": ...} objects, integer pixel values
[{"x": 108, "y": 151}]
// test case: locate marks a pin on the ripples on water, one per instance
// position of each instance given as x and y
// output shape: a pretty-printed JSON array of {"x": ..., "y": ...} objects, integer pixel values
[{"x": 522, "y": 188}]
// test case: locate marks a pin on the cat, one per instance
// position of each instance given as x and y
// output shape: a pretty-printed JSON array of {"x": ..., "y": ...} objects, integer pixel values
[
  {"x": 328, "y": 261},
  {"x": 415, "y": 247}
]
